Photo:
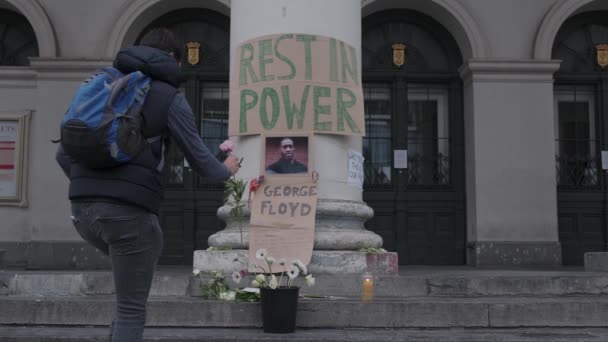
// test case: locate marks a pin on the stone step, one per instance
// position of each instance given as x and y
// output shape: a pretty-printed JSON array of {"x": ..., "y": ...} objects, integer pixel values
[
  {"x": 63, "y": 334},
  {"x": 425, "y": 312},
  {"x": 412, "y": 283},
  {"x": 89, "y": 283}
]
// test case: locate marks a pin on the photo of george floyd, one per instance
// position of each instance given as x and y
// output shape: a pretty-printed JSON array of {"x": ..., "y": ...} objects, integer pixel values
[{"x": 286, "y": 155}]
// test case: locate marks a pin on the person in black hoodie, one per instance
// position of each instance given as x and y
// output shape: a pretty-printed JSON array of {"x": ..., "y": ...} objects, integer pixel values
[{"x": 116, "y": 209}]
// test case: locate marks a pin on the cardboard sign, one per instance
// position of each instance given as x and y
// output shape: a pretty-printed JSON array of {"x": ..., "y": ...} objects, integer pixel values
[
  {"x": 296, "y": 83},
  {"x": 285, "y": 205},
  {"x": 294, "y": 244},
  {"x": 283, "y": 220}
]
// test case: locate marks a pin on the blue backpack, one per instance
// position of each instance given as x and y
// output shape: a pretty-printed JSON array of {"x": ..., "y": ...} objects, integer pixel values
[{"x": 102, "y": 127}]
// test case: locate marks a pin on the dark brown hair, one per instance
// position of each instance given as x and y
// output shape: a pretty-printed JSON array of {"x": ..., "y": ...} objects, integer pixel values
[{"x": 163, "y": 39}]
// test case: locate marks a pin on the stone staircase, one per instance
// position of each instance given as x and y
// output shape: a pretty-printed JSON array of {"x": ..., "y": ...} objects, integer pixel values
[{"x": 419, "y": 304}]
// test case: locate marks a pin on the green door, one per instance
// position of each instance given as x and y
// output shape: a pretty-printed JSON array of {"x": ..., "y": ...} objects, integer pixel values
[
  {"x": 418, "y": 207},
  {"x": 581, "y": 133},
  {"x": 188, "y": 212},
  {"x": 414, "y": 112},
  {"x": 581, "y": 182}
]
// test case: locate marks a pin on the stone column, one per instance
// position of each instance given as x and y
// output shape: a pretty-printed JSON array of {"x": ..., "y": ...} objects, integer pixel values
[
  {"x": 510, "y": 163},
  {"x": 339, "y": 230}
]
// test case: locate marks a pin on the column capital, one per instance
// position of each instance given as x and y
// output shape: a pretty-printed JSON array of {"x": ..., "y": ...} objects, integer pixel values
[
  {"x": 66, "y": 68},
  {"x": 507, "y": 71}
]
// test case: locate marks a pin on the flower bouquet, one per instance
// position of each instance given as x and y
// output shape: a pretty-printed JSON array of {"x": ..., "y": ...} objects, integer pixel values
[
  {"x": 279, "y": 293},
  {"x": 216, "y": 288}
]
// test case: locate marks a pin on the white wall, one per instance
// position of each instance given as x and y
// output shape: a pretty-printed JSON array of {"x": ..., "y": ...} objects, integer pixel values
[
  {"x": 17, "y": 94},
  {"x": 516, "y": 116},
  {"x": 512, "y": 196},
  {"x": 509, "y": 26}
]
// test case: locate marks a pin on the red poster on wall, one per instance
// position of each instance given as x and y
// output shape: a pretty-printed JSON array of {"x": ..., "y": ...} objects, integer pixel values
[{"x": 8, "y": 158}]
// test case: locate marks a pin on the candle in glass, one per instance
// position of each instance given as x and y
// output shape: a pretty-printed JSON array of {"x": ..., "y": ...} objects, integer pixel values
[{"x": 367, "y": 287}]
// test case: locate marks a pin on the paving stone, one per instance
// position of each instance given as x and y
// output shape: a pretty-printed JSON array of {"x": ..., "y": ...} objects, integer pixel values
[{"x": 63, "y": 334}]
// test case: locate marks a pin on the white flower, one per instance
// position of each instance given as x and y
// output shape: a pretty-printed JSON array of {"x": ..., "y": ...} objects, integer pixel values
[
  {"x": 293, "y": 272},
  {"x": 310, "y": 281},
  {"x": 196, "y": 272},
  {"x": 227, "y": 295},
  {"x": 255, "y": 283},
  {"x": 282, "y": 261},
  {"x": 270, "y": 260},
  {"x": 274, "y": 283},
  {"x": 236, "y": 277},
  {"x": 260, "y": 278},
  {"x": 300, "y": 265},
  {"x": 261, "y": 254}
]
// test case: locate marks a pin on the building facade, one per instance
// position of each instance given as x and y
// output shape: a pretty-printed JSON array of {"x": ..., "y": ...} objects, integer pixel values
[{"x": 502, "y": 107}]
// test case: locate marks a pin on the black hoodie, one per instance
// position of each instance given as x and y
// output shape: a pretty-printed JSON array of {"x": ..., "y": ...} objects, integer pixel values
[
  {"x": 165, "y": 111},
  {"x": 153, "y": 62},
  {"x": 139, "y": 181}
]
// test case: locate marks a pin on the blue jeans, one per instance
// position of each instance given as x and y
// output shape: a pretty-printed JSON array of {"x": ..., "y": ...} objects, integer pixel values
[{"x": 133, "y": 239}]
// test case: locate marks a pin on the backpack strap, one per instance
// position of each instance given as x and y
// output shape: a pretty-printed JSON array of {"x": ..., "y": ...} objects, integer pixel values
[{"x": 152, "y": 140}]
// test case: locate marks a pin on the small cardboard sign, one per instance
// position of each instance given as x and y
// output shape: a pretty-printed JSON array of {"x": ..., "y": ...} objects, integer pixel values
[
  {"x": 283, "y": 220},
  {"x": 285, "y": 204},
  {"x": 296, "y": 83}
]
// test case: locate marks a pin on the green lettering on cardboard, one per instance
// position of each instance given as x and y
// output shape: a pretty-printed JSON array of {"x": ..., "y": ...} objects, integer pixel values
[
  {"x": 265, "y": 50},
  {"x": 342, "y": 109},
  {"x": 245, "y": 65},
  {"x": 287, "y": 61},
  {"x": 349, "y": 66},
  {"x": 292, "y": 110},
  {"x": 333, "y": 60},
  {"x": 307, "y": 39},
  {"x": 319, "y": 92},
  {"x": 245, "y": 106},
  {"x": 274, "y": 99}
]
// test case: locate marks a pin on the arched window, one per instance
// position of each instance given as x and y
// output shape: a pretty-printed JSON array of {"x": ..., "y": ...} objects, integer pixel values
[
  {"x": 581, "y": 114},
  {"x": 17, "y": 39},
  {"x": 209, "y": 29},
  {"x": 428, "y": 46},
  {"x": 414, "y": 147},
  {"x": 577, "y": 96}
]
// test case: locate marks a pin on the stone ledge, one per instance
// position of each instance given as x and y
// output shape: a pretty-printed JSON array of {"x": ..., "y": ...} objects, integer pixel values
[
  {"x": 328, "y": 313},
  {"x": 509, "y": 253},
  {"x": 323, "y": 262},
  {"x": 2, "y": 252},
  {"x": 53, "y": 255},
  {"x": 596, "y": 261}
]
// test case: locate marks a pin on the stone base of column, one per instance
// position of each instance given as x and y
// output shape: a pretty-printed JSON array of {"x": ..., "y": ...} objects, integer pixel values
[
  {"x": 322, "y": 262},
  {"x": 339, "y": 235},
  {"x": 502, "y": 253},
  {"x": 596, "y": 261},
  {"x": 339, "y": 226}
]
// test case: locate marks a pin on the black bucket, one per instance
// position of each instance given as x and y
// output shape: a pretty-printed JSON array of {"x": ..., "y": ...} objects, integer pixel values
[{"x": 279, "y": 308}]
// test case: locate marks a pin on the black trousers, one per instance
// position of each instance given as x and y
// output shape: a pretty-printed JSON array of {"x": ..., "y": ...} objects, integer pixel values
[{"x": 133, "y": 239}]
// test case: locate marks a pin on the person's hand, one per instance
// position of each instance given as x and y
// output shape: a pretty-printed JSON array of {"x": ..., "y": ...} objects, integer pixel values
[{"x": 232, "y": 163}]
